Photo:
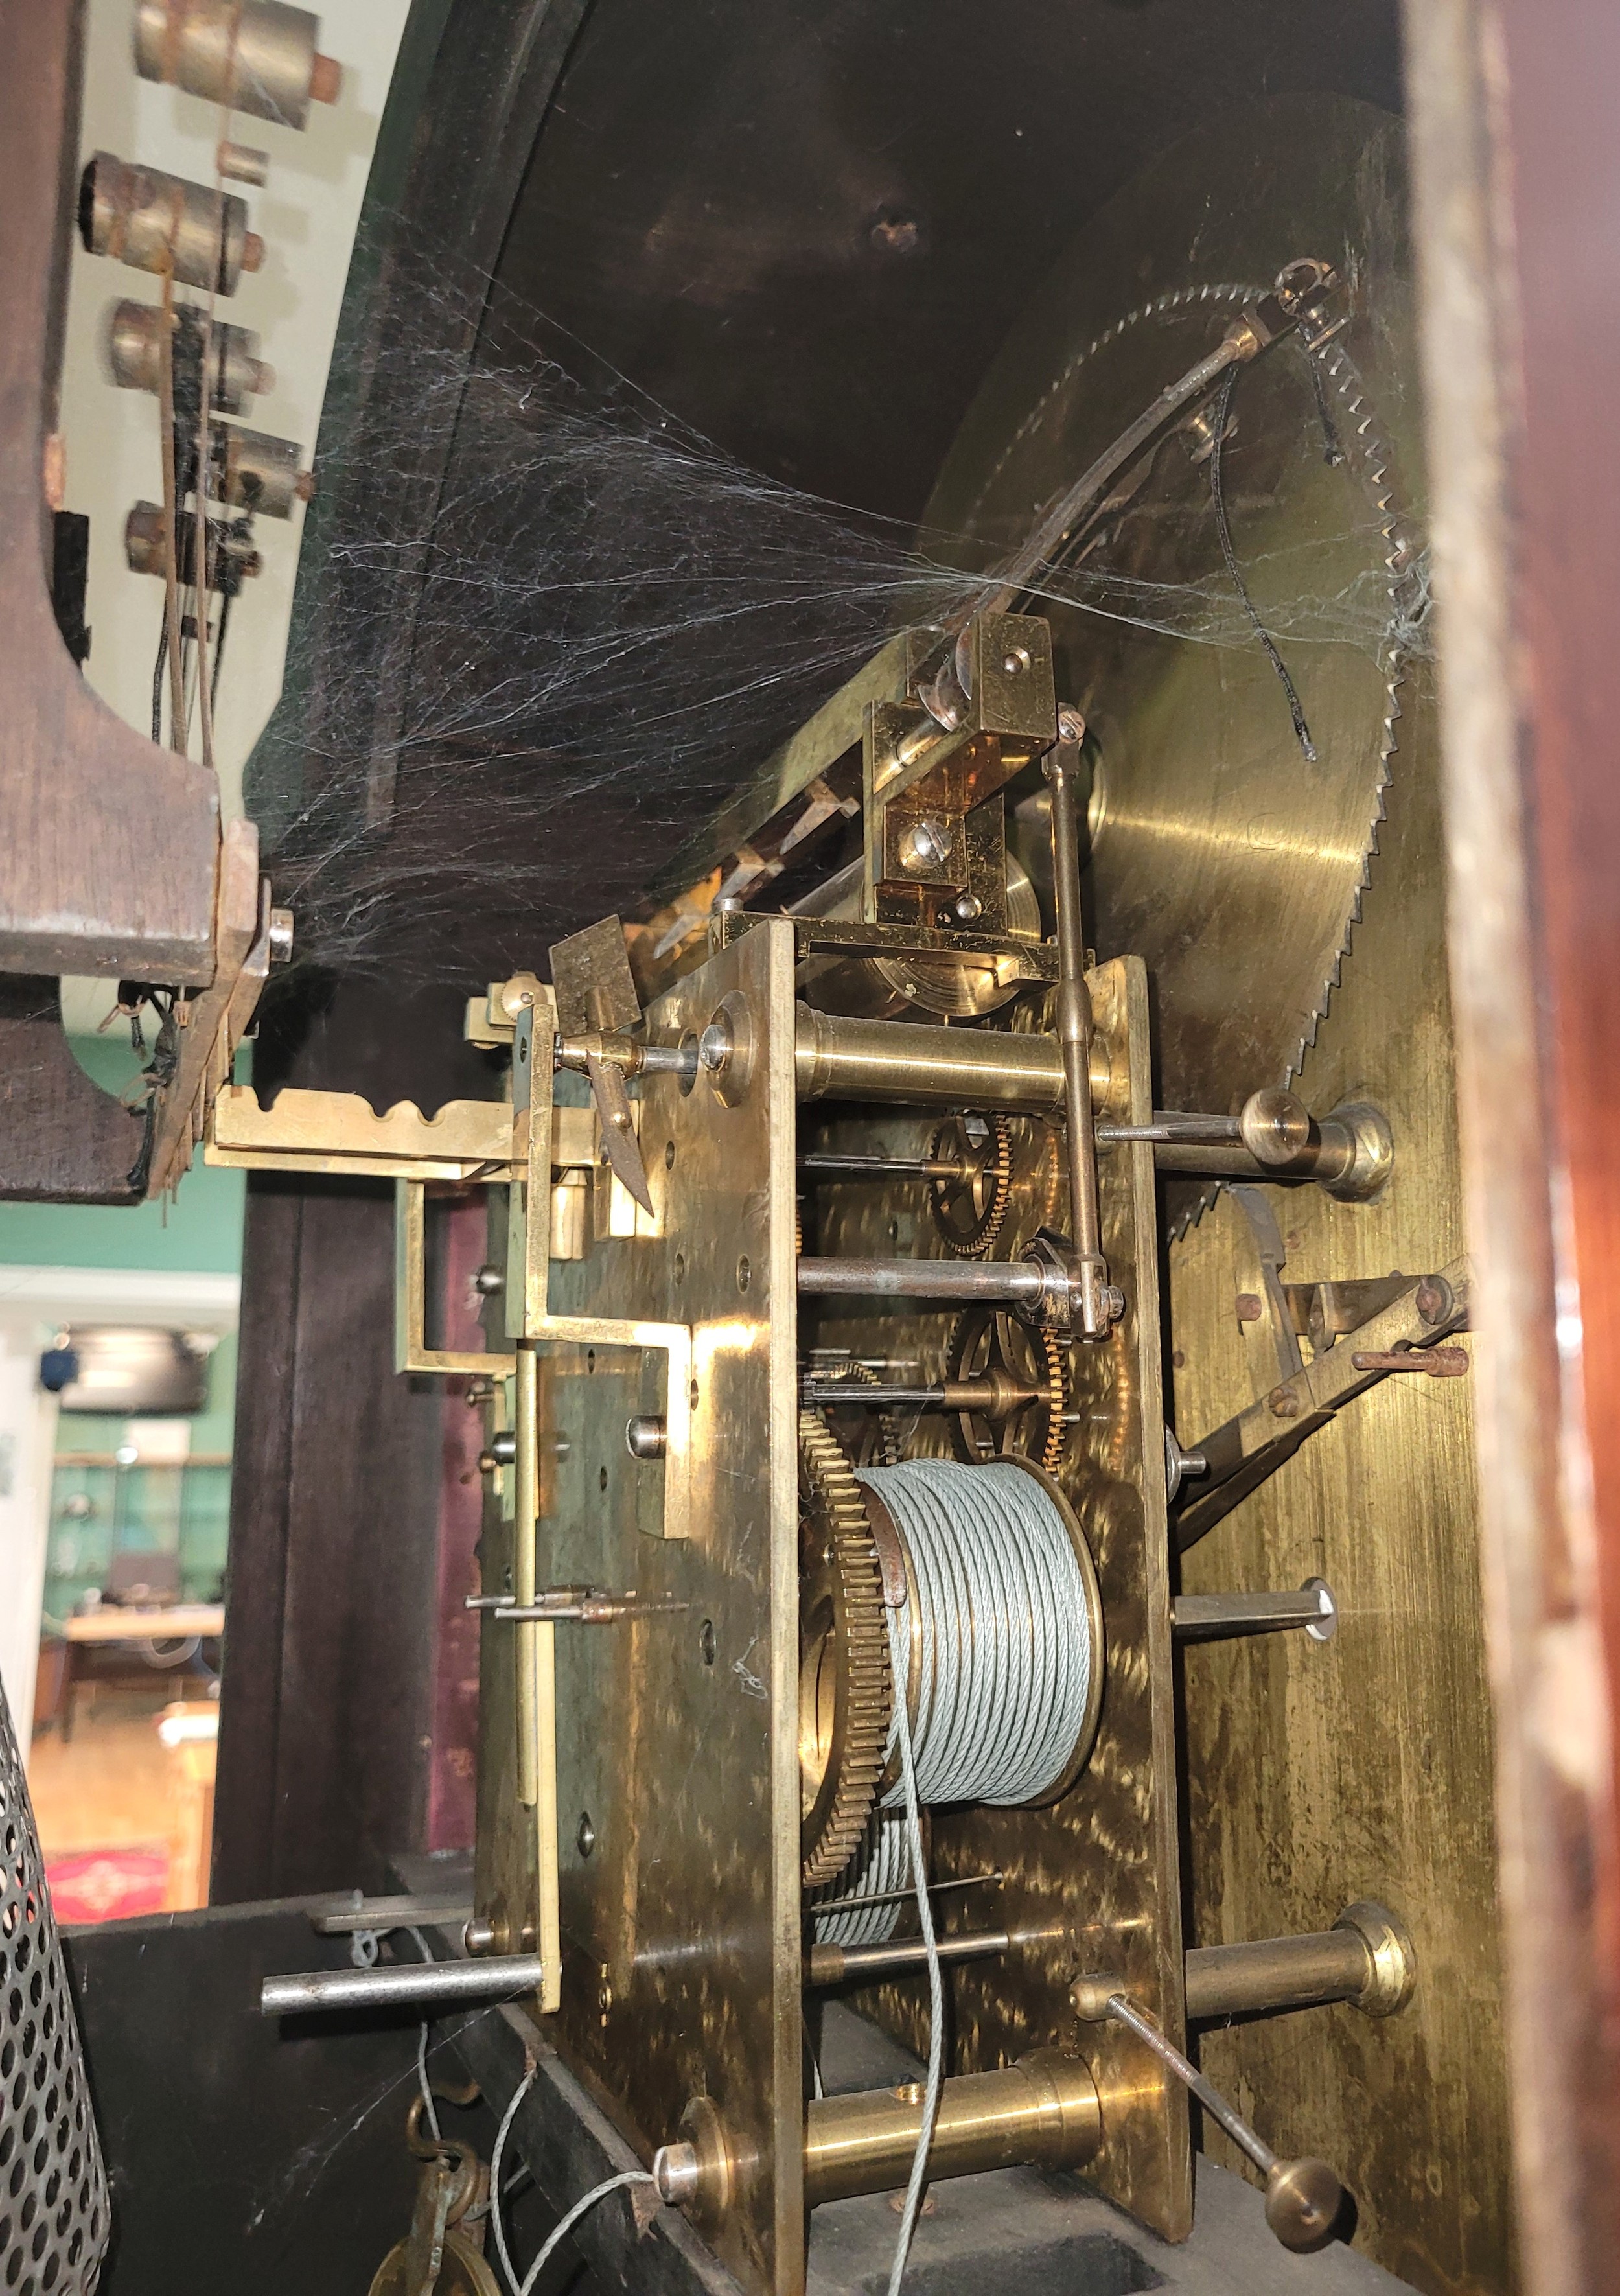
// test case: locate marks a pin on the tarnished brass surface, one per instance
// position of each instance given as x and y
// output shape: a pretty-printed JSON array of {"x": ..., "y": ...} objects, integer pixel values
[
  {"x": 1239, "y": 871},
  {"x": 1099, "y": 1867},
  {"x": 411, "y": 1352},
  {"x": 1104, "y": 1861},
  {"x": 591, "y": 979},
  {"x": 1241, "y": 1454},
  {"x": 505, "y": 1865},
  {"x": 1044, "y": 2111},
  {"x": 1361, "y": 1769},
  {"x": 840, "y": 1058},
  {"x": 1227, "y": 867},
  {"x": 661, "y": 945},
  {"x": 677, "y": 1733},
  {"x": 1336, "y": 1964},
  {"x": 340, "y": 1132},
  {"x": 874, "y": 740},
  {"x": 1220, "y": 856}
]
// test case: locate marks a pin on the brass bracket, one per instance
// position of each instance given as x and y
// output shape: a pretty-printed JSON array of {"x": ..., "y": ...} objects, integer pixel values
[
  {"x": 933, "y": 835},
  {"x": 411, "y": 1352},
  {"x": 529, "y": 1316},
  {"x": 490, "y": 1019},
  {"x": 873, "y": 744},
  {"x": 1248, "y": 1449}
]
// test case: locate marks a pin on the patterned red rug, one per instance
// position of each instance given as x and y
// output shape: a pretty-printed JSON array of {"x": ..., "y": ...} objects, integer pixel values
[{"x": 109, "y": 1885}]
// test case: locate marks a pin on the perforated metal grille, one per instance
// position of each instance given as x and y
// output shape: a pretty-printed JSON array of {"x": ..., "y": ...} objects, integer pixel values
[{"x": 54, "y": 2218}]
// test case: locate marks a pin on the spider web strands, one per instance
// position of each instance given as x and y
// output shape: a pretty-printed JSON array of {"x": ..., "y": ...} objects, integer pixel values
[{"x": 557, "y": 627}]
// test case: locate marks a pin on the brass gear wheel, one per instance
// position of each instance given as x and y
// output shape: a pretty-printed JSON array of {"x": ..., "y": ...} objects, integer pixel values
[
  {"x": 969, "y": 1212},
  {"x": 877, "y": 1444},
  {"x": 984, "y": 1340},
  {"x": 845, "y": 1695}
]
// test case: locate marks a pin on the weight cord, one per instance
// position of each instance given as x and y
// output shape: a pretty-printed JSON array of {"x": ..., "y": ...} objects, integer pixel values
[
  {"x": 560, "y": 2232},
  {"x": 1005, "y": 1677},
  {"x": 925, "y": 1916},
  {"x": 1222, "y": 416},
  {"x": 430, "y": 2109},
  {"x": 1004, "y": 1688},
  {"x": 497, "y": 2221}
]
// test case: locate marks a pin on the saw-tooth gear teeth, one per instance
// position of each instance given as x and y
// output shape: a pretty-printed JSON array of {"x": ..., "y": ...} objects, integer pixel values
[
  {"x": 972, "y": 1238},
  {"x": 863, "y": 1689},
  {"x": 886, "y": 1453},
  {"x": 1398, "y": 559},
  {"x": 1049, "y": 1369},
  {"x": 1057, "y": 1389}
]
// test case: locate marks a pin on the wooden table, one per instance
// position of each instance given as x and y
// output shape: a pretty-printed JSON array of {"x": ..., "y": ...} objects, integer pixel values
[{"x": 114, "y": 1623}]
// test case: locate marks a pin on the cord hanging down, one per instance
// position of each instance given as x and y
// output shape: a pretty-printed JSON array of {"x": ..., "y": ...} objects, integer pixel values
[{"x": 1222, "y": 417}]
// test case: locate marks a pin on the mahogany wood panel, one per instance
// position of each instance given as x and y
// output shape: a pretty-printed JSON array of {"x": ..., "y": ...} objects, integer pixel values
[
  {"x": 452, "y": 1782},
  {"x": 328, "y": 1694},
  {"x": 1516, "y": 169}
]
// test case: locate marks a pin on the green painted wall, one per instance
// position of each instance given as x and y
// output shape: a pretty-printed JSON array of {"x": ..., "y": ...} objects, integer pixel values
[{"x": 98, "y": 1511}]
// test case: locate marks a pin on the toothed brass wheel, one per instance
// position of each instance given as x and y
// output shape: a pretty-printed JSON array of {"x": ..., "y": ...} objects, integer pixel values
[
  {"x": 845, "y": 1693},
  {"x": 982, "y": 1342},
  {"x": 969, "y": 1210},
  {"x": 869, "y": 1438}
]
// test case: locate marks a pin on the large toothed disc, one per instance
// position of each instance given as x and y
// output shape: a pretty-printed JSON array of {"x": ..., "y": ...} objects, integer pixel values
[
  {"x": 1220, "y": 852},
  {"x": 845, "y": 1694}
]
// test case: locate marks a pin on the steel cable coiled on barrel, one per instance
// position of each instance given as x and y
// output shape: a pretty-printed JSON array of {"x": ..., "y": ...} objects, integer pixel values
[
  {"x": 1005, "y": 1639},
  {"x": 841, "y": 1913}
]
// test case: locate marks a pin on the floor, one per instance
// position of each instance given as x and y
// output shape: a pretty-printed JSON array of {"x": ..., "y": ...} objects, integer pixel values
[
  {"x": 110, "y": 1807},
  {"x": 109, "y": 1783}
]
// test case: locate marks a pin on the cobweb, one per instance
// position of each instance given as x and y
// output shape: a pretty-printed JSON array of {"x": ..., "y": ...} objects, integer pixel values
[{"x": 545, "y": 627}]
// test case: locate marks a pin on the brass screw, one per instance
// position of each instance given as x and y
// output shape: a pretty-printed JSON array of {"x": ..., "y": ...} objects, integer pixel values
[
  {"x": 1249, "y": 1307},
  {"x": 925, "y": 844},
  {"x": 1283, "y": 1403}
]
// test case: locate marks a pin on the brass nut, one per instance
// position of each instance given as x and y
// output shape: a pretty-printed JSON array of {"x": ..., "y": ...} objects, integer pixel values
[
  {"x": 726, "y": 1049},
  {"x": 706, "y": 2188},
  {"x": 1391, "y": 1974},
  {"x": 1372, "y": 1159},
  {"x": 1283, "y": 1403},
  {"x": 490, "y": 1933},
  {"x": 1275, "y": 1126}
]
